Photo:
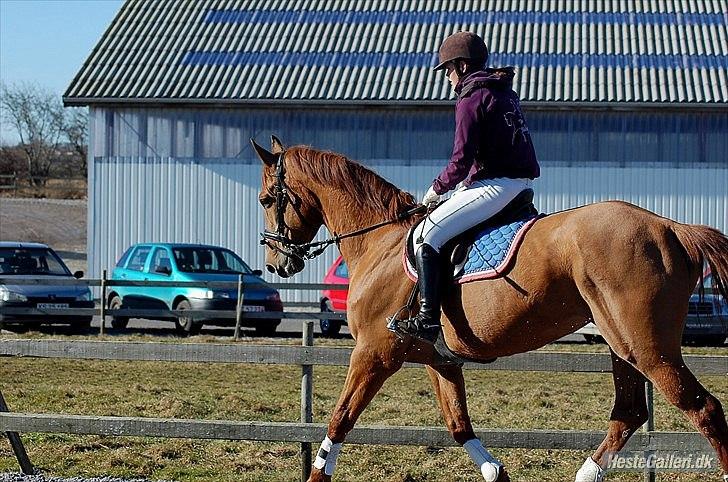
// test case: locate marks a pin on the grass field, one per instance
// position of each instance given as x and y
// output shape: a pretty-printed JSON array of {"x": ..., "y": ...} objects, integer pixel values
[{"x": 271, "y": 393}]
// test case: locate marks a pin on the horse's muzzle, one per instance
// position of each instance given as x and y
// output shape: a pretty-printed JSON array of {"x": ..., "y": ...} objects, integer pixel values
[{"x": 290, "y": 266}]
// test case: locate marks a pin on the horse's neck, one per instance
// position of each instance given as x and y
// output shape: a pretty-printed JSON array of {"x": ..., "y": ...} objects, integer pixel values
[{"x": 343, "y": 214}]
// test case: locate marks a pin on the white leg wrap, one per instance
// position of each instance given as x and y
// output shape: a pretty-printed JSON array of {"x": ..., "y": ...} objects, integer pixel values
[
  {"x": 725, "y": 478},
  {"x": 327, "y": 455},
  {"x": 590, "y": 472},
  {"x": 489, "y": 466}
]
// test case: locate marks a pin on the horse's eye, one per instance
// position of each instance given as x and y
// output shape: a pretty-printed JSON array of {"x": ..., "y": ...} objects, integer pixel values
[{"x": 266, "y": 201}]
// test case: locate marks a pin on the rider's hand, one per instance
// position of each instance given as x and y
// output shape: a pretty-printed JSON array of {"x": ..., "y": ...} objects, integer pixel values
[{"x": 431, "y": 197}]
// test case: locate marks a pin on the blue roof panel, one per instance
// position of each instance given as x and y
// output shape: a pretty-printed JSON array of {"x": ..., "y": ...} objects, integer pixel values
[{"x": 383, "y": 51}]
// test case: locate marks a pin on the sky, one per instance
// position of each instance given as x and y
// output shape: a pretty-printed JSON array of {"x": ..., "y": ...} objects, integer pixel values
[{"x": 46, "y": 41}]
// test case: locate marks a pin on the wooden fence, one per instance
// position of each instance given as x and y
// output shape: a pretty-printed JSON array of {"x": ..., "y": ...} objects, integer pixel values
[{"x": 306, "y": 432}]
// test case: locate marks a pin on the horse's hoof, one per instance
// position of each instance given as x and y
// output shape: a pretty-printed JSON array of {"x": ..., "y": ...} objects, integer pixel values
[
  {"x": 318, "y": 476},
  {"x": 503, "y": 476},
  {"x": 494, "y": 472}
]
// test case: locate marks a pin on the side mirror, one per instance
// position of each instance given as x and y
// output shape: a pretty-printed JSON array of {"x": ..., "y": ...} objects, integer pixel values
[
  {"x": 163, "y": 270},
  {"x": 258, "y": 272},
  {"x": 78, "y": 274}
]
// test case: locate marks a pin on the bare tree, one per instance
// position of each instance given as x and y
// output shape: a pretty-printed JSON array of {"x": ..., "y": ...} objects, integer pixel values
[
  {"x": 38, "y": 118},
  {"x": 76, "y": 133}
]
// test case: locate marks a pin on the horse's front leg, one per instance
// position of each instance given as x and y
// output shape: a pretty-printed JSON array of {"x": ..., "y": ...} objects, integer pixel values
[
  {"x": 450, "y": 391},
  {"x": 368, "y": 369}
]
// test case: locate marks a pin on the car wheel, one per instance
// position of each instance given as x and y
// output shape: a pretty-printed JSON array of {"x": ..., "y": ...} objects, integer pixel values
[
  {"x": 328, "y": 327},
  {"x": 117, "y": 322},
  {"x": 268, "y": 328},
  {"x": 82, "y": 324},
  {"x": 186, "y": 325}
]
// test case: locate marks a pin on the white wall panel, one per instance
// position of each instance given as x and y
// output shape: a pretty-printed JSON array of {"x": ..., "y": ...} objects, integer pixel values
[{"x": 170, "y": 200}]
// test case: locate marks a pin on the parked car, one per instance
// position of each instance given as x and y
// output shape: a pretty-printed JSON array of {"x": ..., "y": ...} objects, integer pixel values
[
  {"x": 191, "y": 262},
  {"x": 706, "y": 322},
  {"x": 334, "y": 300},
  {"x": 39, "y": 262}
]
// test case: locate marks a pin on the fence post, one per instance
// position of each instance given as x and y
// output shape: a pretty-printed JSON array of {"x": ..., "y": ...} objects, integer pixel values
[
  {"x": 649, "y": 427},
  {"x": 239, "y": 308},
  {"x": 306, "y": 400},
  {"x": 17, "y": 444},
  {"x": 103, "y": 302}
]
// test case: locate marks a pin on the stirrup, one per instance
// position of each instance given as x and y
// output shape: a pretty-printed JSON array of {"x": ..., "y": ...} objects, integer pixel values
[{"x": 414, "y": 327}]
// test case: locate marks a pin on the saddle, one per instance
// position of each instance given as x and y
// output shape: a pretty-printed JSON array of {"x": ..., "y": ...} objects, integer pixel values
[
  {"x": 486, "y": 250},
  {"x": 482, "y": 252}
]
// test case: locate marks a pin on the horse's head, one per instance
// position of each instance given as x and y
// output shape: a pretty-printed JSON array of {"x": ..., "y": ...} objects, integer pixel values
[{"x": 292, "y": 217}]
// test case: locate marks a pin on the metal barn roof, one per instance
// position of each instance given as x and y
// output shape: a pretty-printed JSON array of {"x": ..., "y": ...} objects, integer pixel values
[{"x": 382, "y": 51}]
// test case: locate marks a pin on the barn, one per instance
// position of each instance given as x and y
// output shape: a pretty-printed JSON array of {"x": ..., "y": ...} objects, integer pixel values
[{"x": 624, "y": 100}]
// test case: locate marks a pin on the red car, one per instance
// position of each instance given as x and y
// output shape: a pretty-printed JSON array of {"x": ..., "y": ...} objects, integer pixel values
[{"x": 334, "y": 300}]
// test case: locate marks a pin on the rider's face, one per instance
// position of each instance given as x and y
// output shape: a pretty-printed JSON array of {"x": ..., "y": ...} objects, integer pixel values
[{"x": 451, "y": 74}]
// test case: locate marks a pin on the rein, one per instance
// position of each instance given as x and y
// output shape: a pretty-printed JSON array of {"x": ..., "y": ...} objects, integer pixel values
[{"x": 304, "y": 251}]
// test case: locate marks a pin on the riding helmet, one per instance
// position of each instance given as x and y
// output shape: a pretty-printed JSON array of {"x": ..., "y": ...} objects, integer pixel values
[{"x": 465, "y": 46}]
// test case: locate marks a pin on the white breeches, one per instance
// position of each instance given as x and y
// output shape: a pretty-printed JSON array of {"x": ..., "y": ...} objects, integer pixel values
[{"x": 467, "y": 207}]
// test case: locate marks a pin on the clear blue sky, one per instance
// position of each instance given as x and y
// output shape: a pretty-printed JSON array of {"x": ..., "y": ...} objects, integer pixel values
[{"x": 47, "y": 41}]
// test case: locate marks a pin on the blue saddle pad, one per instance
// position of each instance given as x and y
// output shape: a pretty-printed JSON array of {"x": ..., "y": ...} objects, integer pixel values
[{"x": 492, "y": 250}]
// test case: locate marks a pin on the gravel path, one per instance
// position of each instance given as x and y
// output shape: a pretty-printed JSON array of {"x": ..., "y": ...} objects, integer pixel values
[
  {"x": 18, "y": 477},
  {"x": 59, "y": 223}
]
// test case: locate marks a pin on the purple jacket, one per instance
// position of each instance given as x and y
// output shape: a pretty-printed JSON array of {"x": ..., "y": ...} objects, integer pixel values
[{"x": 491, "y": 136}]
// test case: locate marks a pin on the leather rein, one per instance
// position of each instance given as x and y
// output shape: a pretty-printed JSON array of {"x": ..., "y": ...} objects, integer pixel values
[{"x": 280, "y": 242}]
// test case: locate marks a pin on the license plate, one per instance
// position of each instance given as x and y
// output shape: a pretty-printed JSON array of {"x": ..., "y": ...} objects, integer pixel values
[
  {"x": 253, "y": 308},
  {"x": 52, "y": 306}
]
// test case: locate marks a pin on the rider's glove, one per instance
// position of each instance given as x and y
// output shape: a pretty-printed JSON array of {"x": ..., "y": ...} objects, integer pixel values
[{"x": 431, "y": 197}]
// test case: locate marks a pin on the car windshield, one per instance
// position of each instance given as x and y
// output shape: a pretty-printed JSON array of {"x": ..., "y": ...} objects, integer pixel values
[
  {"x": 209, "y": 260},
  {"x": 29, "y": 261}
]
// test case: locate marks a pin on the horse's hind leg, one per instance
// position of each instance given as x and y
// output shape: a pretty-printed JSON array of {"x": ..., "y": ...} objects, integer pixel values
[
  {"x": 450, "y": 391},
  {"x": 678, "y": 384},
  {"x": 628, "y": 414}
]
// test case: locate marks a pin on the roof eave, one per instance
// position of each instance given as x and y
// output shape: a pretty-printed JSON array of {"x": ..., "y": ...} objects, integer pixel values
[{"x": 292, "y": 103}]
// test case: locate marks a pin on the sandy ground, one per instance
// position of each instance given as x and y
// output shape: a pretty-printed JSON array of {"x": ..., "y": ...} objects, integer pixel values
[{"x": 61, "y": 224}]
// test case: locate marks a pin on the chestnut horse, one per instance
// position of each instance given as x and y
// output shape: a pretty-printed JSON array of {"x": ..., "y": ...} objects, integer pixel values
[{"x": 626, "y": 268}]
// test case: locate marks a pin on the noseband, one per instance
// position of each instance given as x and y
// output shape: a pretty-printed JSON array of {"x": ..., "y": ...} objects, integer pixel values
[{"x": 278, "y": 241}]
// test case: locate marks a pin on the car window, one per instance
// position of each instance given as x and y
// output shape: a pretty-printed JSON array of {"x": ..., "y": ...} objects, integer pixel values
[
  {"x": 342, "y": 271},
  {"x": 124, "y": 257},
  {"x": 209, "y": 260},
  {"x": 25, "y": 261},
  {"x": 139, "y": 258},
  {"x": 160, "y": 260}
]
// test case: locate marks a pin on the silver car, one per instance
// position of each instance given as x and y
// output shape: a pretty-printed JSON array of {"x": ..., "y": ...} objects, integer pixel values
[{"x": 37, "y": 261}]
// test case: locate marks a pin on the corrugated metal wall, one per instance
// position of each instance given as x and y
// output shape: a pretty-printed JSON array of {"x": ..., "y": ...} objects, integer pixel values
[
  {"x": 155, "y": 197},
  {"x": 167, "y": 200},
  {"x": 572, "y": 137}
]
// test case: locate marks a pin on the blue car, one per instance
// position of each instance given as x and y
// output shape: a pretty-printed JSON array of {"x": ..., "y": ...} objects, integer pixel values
[
  {"x": 707, "y": 320},
  {"x": 191, "y": 262},
  {"x": 23, "y": 261}
]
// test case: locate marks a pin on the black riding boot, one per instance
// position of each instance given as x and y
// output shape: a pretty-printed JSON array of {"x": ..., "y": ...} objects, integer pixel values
[{"x": 426, "y": 324}]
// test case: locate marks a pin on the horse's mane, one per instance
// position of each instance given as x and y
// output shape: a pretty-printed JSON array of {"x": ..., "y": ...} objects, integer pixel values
[{"x": 330, "y": 168}]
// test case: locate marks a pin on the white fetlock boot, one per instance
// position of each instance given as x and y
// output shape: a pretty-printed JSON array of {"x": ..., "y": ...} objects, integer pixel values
[
  {"x": 489, "y": 466},
  {"x": 590, "y": 472}
]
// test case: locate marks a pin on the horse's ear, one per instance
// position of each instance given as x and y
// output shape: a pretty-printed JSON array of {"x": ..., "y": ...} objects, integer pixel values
[
  {"x": 276, "y": 146},
  {"x": 268, "y": 158}
]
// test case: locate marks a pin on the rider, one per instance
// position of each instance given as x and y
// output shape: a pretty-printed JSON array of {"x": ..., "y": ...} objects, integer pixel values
[{"x": 492, "y": 153}]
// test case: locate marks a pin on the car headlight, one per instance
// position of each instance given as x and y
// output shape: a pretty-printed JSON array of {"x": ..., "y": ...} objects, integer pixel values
[
  {"x": 87, "y": 296},
  {"x": 201, "y": 293},
  {"x": 7, "y": 295}
]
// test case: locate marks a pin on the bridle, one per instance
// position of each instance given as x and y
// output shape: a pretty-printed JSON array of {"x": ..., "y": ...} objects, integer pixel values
[{"x": 278, "y": 241}]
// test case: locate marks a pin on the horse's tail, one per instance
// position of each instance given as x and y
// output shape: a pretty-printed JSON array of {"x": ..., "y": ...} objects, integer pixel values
[{"x": 706, "y": 243}]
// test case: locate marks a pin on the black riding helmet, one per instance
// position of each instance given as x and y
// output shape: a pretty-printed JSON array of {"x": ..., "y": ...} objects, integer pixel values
[{"x": 465, "y": 46}]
